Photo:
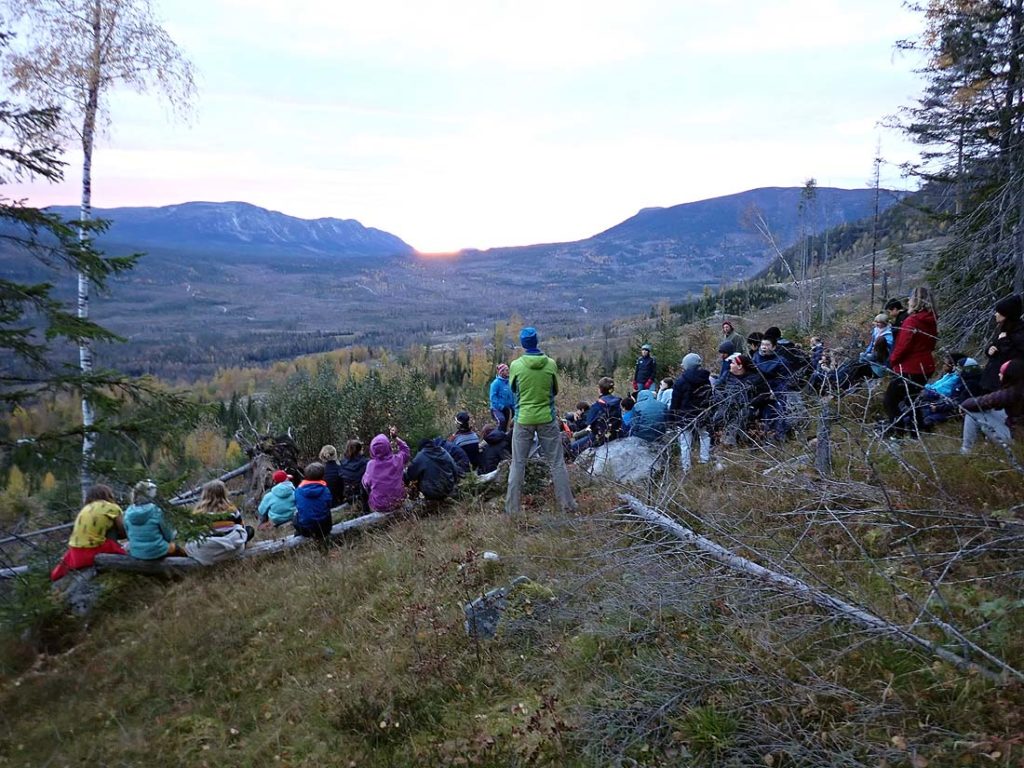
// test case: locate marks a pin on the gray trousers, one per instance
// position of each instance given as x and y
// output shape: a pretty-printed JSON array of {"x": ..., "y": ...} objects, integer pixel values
[
  {"x": 550, "y": 438},
  {"x": 686, "y": 441},
  {"x": 991, "y": 424}
]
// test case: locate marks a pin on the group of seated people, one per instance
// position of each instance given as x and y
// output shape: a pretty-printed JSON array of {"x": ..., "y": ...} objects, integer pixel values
[{"x": 304, "y": 499}]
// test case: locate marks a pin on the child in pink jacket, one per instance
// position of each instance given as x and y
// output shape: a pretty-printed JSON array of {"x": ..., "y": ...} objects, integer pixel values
[{"x": 383, "y": 476}]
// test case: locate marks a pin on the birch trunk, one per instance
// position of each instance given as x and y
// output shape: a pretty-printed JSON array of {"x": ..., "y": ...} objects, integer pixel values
[{"x": 85, "y": 356}]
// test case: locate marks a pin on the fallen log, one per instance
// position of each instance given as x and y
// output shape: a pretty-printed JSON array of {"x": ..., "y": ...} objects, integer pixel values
[
  {"x": 173, "y": 565},
  {"x": 189, "y": 496},
  {"x": 860, "y": 616},
  {"x": 10, "y": 573}
]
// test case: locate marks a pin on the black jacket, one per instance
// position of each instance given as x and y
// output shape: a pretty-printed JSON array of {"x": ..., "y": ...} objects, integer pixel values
[
  {"x": 335, "y": 482},
  {"x": 691, "y": 396},
  {"x": 435, "y": 472},
  {"x": 497, "y": 448},
  {"x": 1010, "y": 347}
]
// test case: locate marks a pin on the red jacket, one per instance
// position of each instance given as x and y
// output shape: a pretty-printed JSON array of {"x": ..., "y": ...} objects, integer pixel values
[{"x": 912, "y": 352}]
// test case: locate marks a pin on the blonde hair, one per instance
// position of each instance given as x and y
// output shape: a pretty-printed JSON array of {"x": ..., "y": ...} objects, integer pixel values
[
  {"x": 213, "y": 499},
  {"x": 328, "y": 453},
  {"x": 920, "y": 299}
]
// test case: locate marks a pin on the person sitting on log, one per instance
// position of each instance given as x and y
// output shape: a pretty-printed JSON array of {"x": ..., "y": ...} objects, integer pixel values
[
  {"x": 433, "y": 471},
  {"x": 226, "y": 537},
  {"x": 149, "y": 535},
  {"x": 332, "y": 474},
  {"x": 277, "y": 507},
  {"x": 352, "y": 470},
  {"x": 313, "y": 504},
  {"x": 383, "y": 477},
  {"x": 98, "y": 526}
]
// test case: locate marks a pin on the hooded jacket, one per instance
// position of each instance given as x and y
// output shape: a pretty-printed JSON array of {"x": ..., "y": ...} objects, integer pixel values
[
  {"x": 312, "y": 503},
  {"x": 533, "y": 379},
  {"x": 435, "y": 472},
  {"x": 383, "y": 476},
  {"x": 148, "y": 533},
  {"x": 500, "y": 394},
  {"x": 278, "y": 504},
  {"x": 469, "y": 442},
  {"x": 497, "y": 448},
  {"x": 912, "y": 350},
  {"x": 691, "y": 396},
  {"x": 649, "y": 417}
]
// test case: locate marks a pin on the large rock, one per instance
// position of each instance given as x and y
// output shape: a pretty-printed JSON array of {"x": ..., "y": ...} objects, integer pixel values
[{"x": 629, "y": 460}]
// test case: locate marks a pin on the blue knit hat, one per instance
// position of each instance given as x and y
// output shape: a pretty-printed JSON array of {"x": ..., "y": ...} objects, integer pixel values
[{"x": 528, "y": 338}]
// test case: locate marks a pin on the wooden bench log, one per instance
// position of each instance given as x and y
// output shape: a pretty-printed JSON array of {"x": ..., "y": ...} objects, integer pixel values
[{"x": 173, "y": 565}]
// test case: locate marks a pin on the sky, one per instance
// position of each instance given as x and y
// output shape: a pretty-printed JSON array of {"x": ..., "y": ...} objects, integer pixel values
[{"x": 484, "y": 123}]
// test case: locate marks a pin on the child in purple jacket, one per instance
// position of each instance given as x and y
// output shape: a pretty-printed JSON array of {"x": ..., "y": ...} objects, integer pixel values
[{"x": 383, "y": 476}]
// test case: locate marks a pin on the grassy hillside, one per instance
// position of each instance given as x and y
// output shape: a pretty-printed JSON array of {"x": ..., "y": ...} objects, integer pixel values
[{"x": 631, "y": 649}]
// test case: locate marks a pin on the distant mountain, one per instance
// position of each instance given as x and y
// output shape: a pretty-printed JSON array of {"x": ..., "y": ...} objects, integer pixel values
[
  {"x": 225, "y": 284},
  {"x": 713, "y": 240},
  {"x": 239, "y": 228}
]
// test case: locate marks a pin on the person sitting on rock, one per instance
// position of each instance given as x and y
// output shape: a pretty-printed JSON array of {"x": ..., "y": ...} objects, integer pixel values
[
  {"x": 604, "y": 419},
  {"x": 98, "y": 526},
  {"x": 649, "y": 417},
  {"x": 277, "y": 507},
  {"x": 433, "y": 471},
  {"x": 149, "y": 535}
]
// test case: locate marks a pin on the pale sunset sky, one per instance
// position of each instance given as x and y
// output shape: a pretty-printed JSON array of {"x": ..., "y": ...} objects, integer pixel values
[{"x": 491, "y": 122}]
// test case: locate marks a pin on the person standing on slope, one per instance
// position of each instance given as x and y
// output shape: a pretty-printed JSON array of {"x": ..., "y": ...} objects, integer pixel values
[
  {"x": 533, "y": 378},
  {"x": 646, "y": 370}
]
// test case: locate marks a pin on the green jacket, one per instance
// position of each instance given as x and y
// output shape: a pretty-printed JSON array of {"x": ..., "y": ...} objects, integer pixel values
[{"x": 534, "y": 382}]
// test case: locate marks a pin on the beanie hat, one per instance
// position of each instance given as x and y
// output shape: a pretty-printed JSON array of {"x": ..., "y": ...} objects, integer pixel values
[
  {"x": 528, "y": 338},
  {"x": 1010, "y": 307},
  {"x": 726, "y": 348},
  {"x": 773, "y": 333},
  {"x": 645, "y": 346},
  {"x": 503, "y": 370},
  {"x": 881, "y": 317},
  {"x": 462, "y": 419},
  {"x": 691, "y": 360},
  {"x": 279, "y": 477},
  {"x": 144, "y": 491}
]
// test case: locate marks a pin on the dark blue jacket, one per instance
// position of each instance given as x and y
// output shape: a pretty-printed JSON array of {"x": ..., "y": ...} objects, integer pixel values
[
  {"x": 497, "y": 448},
  {"x": 312, "y": 503},
  {"x": 691, "y": 396},
  {"x": 435, "y": 471}
]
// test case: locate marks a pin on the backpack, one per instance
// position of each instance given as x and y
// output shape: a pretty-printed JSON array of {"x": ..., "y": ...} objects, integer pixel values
[{"x": 608, "y": 423}]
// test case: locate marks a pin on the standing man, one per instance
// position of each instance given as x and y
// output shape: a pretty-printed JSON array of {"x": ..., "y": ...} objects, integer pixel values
[
  {"x": 533, "y": 378},
  {"x": 646, "y": 370}
]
